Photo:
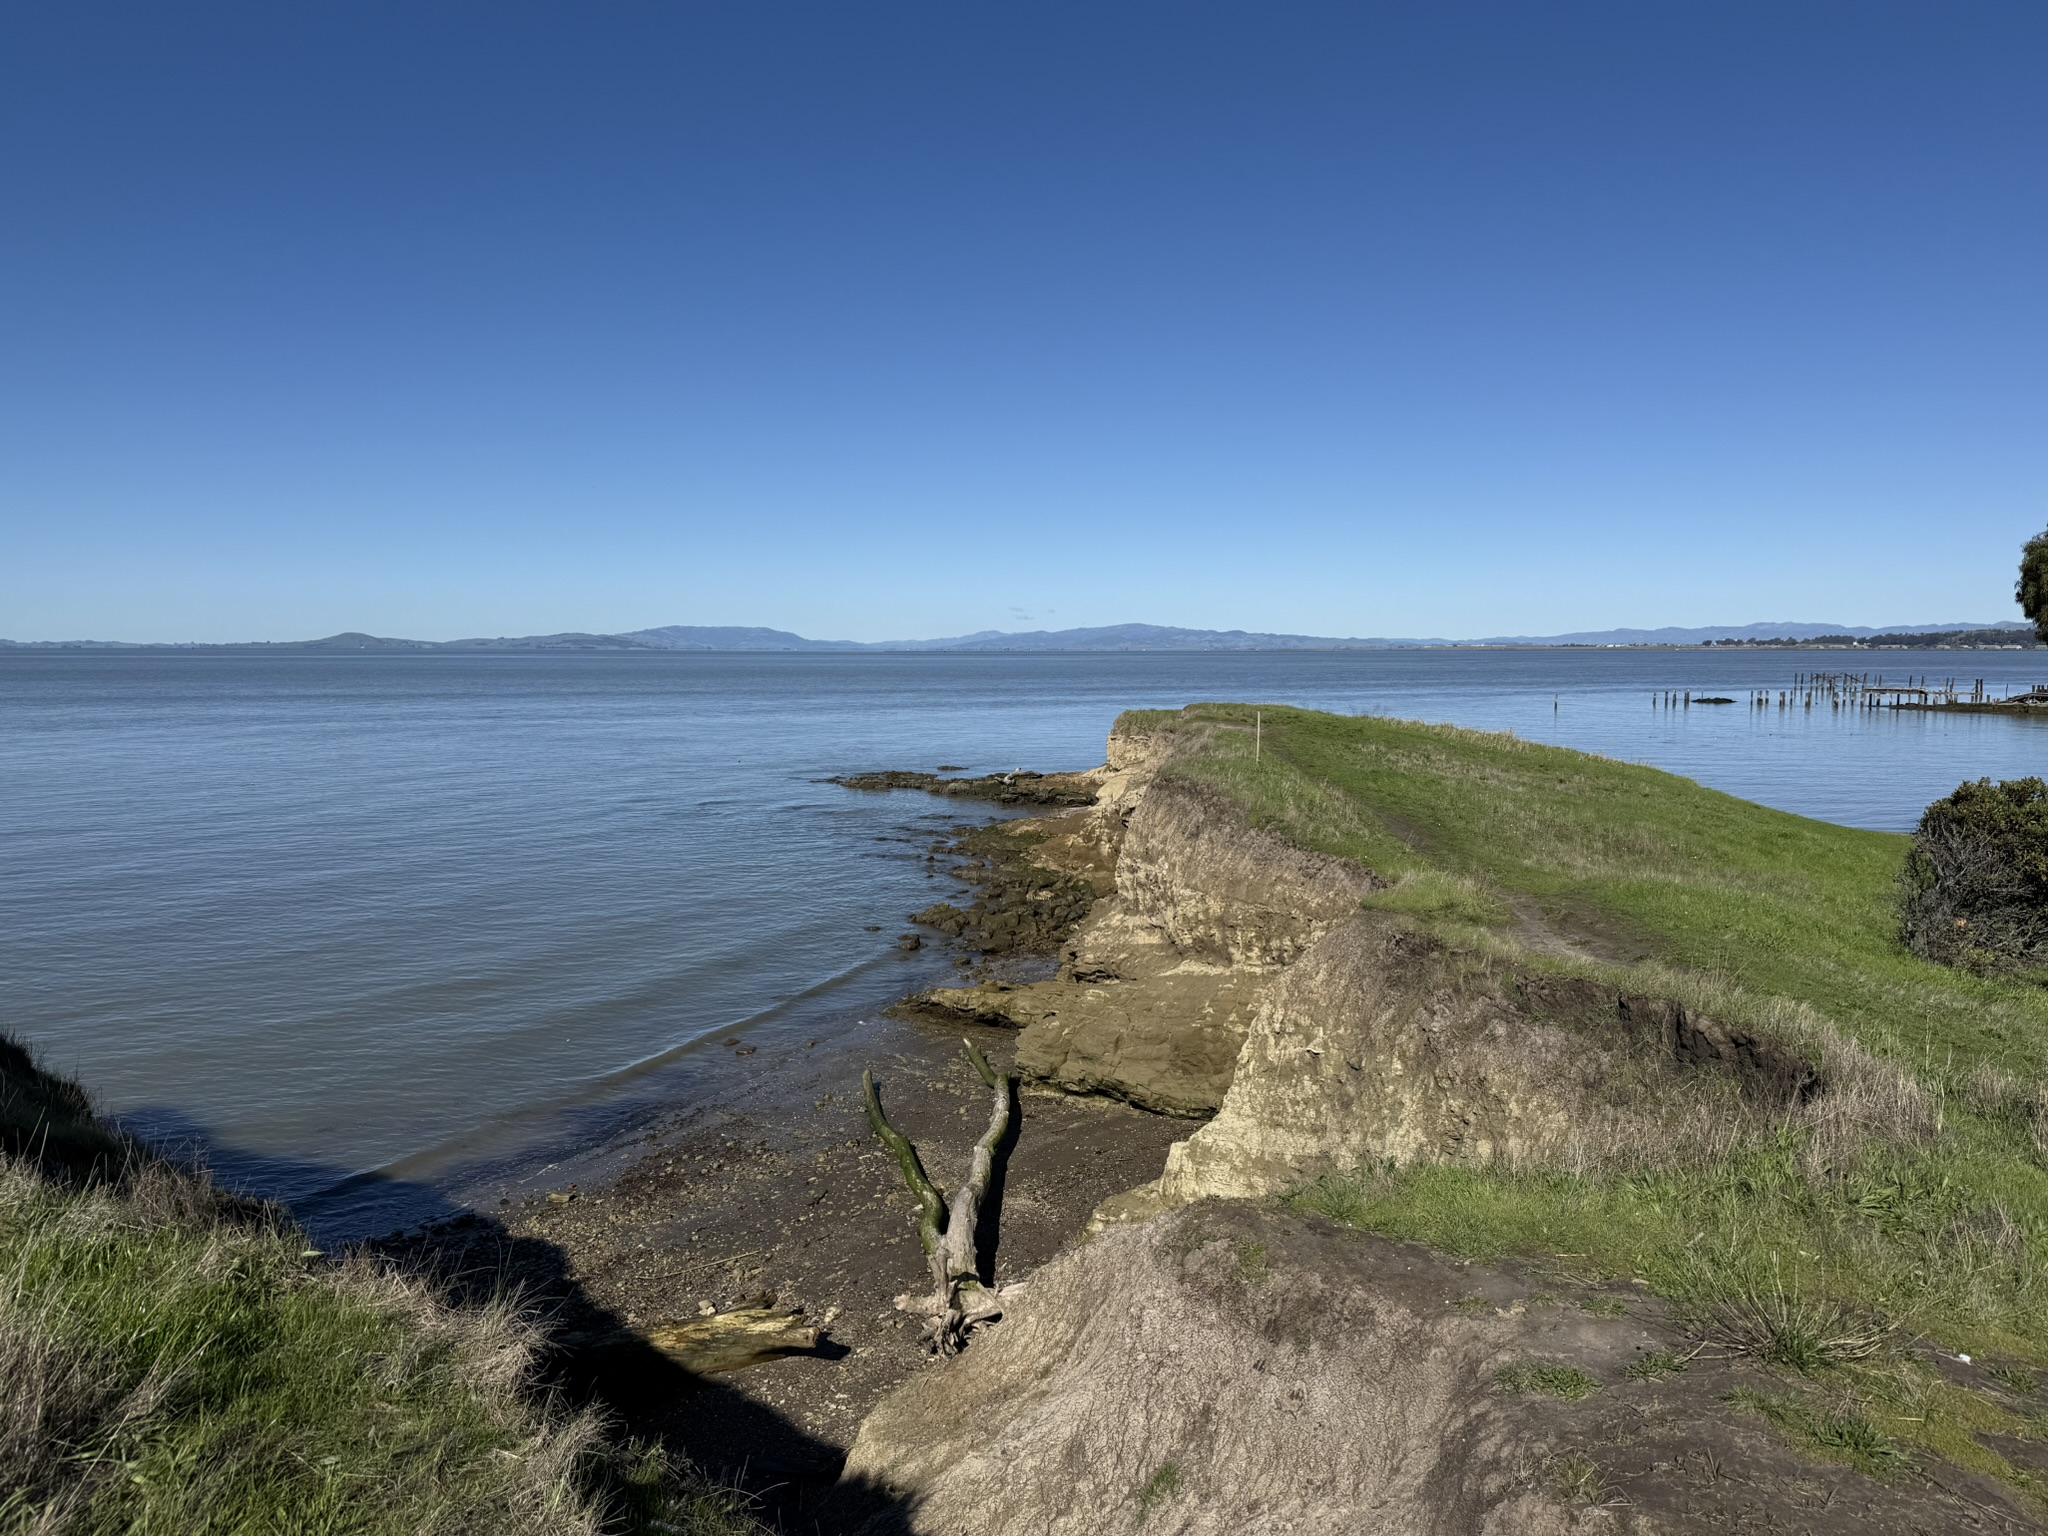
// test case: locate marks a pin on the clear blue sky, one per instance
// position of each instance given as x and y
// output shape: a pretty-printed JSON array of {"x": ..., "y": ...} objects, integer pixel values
[{"x": 887, "y": 320}]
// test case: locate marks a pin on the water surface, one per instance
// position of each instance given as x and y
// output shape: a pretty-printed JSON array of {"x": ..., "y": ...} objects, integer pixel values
[{"x": 330, "y": 915}]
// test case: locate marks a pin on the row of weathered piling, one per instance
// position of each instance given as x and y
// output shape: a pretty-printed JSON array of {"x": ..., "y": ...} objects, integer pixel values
[{"x": 1857, "y": 690}]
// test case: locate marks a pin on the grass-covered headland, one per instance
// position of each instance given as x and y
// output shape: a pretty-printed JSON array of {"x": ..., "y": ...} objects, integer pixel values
[
  {"x": 1860, "y": 1252},
  {"x": 176, "y": 1361}
]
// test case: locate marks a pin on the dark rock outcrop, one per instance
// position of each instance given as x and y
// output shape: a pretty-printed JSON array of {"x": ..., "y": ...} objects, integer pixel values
[{"x": 1019, "y": 788}]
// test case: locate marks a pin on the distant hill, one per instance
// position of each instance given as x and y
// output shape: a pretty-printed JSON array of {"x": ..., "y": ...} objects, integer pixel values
[
  {"x": 2018, "y": 637},
  {"x": 374, "y": 643},
  {"x": 1113, "y": 637},
  {"x": 351, "y": 642},
  {"x": 1150, "y": 637},
  {"x": 694, "y": 637},
  {"x": 700, "y": 637}
]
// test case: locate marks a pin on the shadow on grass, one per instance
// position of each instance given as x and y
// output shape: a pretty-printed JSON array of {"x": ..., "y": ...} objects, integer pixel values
[{"x": 471, "y": 1258}]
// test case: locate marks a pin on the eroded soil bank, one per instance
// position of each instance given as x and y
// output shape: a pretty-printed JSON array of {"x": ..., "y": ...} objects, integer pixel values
[{"x": 1234, "y": 1369}]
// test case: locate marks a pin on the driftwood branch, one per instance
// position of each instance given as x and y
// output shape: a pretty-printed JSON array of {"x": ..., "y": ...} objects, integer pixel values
[
  {"x": 931, "y": 1201},
  {"x": 730, "y": 1341},
  {"x": 958, "y": 1301}
]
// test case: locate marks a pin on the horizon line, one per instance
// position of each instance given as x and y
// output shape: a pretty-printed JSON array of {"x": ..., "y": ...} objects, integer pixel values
[{"x": 743, "y": 638}]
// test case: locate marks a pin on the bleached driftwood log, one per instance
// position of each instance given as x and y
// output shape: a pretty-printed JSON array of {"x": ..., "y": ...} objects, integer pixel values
[
  {"x": 734, "y": 1339},
  {"x": 958, "y": 1301}
]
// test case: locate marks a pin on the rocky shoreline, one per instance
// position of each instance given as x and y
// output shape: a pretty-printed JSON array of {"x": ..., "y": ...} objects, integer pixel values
[
  {"x": 773, "y": 1199},
  {"x": 1217, "y": 1359},
  {"x": 1019, "y": 788},
  {"x": 1203, "y": 1016}
]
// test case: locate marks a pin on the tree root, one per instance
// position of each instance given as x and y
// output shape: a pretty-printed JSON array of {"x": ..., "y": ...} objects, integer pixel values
[{"x": 958, "y": 1302}]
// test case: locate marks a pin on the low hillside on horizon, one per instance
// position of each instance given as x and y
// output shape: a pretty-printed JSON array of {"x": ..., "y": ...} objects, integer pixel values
[{"x": 1114, "y": 637}]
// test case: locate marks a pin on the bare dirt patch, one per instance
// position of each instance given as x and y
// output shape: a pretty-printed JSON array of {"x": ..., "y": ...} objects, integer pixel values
[{"x": 1236, "y": 1368}]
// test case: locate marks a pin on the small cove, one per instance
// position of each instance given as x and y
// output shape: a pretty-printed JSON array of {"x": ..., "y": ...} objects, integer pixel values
[{"x": 363, "y": 928}]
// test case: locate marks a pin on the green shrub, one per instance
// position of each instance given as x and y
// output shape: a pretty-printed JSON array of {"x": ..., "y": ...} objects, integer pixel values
[{"x": 1974, "y": 891}]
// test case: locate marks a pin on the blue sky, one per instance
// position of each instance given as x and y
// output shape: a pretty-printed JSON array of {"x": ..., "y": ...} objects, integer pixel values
[{"x": 885, "y": 320}]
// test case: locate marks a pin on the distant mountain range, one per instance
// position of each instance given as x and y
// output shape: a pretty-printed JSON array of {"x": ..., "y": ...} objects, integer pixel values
[
  {"x": 1156, "y": 637},
  {"x": 1114, "y": 637}
]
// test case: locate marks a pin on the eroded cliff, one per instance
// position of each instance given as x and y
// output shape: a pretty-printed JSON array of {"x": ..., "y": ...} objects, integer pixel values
[
  {"x": 1232, "y": 973},
  {"x": 1511, "y": 1000},
  {"x": 1157, "y": 990}
]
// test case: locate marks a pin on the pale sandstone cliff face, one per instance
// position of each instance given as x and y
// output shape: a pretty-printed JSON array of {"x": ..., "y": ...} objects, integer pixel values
[
  {"x": 1156, "y": 992},
  {"x": 1234, "y": 974},
  {"x": 1232, "y": 1369},
  {"x": 1382, "y": 1045},
  {"x": 1218, "y": 890}
]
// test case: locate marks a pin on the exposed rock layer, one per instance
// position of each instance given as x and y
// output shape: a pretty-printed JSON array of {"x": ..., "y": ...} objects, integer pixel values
[
  {"x": 1156, "y": 992},
  {"x": 1382, "y": 1044},
  {"x": 1236, "y": 975},
  {"x": 1232, "y": 1368},
  {"x": 1018, "y": 905}
]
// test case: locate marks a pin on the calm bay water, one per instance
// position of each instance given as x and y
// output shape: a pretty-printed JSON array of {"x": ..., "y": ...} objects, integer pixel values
[{"x": 328, "y": 916}]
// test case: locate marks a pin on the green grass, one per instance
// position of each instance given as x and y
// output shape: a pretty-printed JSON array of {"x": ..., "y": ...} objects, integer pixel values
[
  {"x": 1922, "y": 1213},
  {"x": 1655, "y": 1366},
  {"x": 1478, "y": 828},
  {"x": 1560, "y": 1381},
  {"x": 172, "y": 1364},
  {"x": 1157, "y": 1489},
  {"x": 1842, "y": 1436},
  {"x": 2018, "y": 1379}
]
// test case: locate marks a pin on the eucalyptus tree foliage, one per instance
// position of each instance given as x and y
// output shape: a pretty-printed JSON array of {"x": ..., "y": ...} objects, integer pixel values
[{"x": 2031, "y": 591}]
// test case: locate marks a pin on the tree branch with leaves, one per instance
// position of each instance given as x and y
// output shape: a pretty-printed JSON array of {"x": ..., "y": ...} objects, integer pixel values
[{"x": 2031, "y": 591}]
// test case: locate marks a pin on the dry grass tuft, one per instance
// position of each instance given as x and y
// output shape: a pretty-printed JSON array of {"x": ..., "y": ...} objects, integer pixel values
[
  {"x": 1580, "y": 1481},
  {"x": 1865, "y": 1100},
  {"x": 1997, "y": 1094},
  {"x": 1806, "y": 1333}
]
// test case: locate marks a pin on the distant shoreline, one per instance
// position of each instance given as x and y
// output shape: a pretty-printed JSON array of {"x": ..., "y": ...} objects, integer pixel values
[
  {"x": 287, "y": 648},
  {"x": 1116, "y": 639}
]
